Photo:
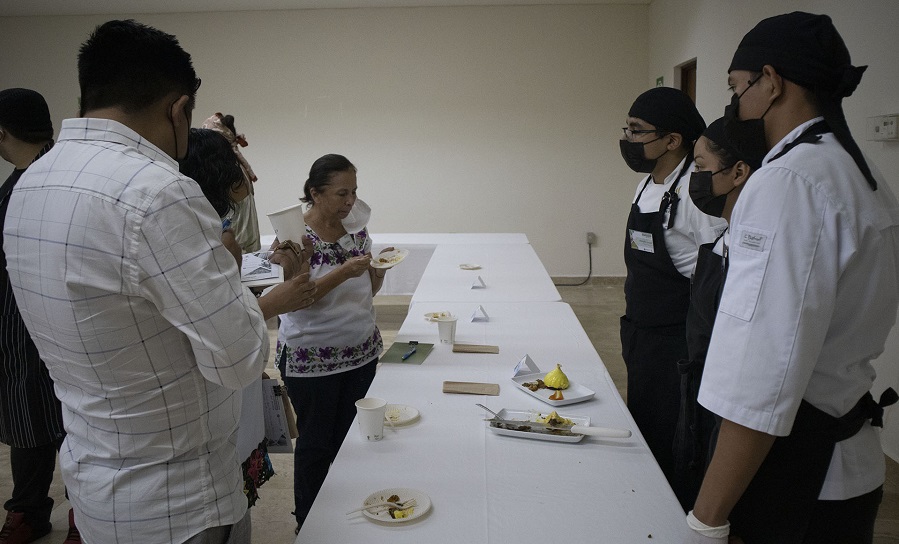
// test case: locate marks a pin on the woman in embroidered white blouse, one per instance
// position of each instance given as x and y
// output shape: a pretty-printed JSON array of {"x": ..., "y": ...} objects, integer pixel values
[{"x": 327, "y": 352}]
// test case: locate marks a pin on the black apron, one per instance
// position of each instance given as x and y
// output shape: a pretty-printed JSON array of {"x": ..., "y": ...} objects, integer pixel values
[
  {"x": 777, "y": 506},
  {"x": 30, "y": 414},
  {"x": 653, "y": 328},
  {"x": 695, "y": 424}
]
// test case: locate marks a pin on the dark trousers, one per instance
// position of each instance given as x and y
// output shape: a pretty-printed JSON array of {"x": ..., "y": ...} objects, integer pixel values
[
  {"x": 653, "y": 385},
  {"x": 325, "y": 407},
  {"x": 32, "y": 474},
  {"x": 845, "y": 522}
]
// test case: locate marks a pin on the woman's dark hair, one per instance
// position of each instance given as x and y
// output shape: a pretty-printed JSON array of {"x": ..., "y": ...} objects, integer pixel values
[
  {"x": 725, "y": 157},
  {"x": 130, "y": 65},
  {"x": 211, "y": 162},
  {"x": 321, "y": 172}
]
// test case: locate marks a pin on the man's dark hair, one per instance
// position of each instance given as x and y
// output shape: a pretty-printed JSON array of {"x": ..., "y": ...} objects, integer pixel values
[
  {"x": 131, "y": 66},
  {"x": 211, "y": 162}
]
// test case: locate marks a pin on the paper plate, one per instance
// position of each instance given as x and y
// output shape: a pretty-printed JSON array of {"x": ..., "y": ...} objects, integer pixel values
[
  {"x": 467, "y": 266},
  {"x": 422, "y": 504},
  {"x": 389, "y": 259},
  {"x": 434, "y": 316},
  {"x": 400, "y": 414}
]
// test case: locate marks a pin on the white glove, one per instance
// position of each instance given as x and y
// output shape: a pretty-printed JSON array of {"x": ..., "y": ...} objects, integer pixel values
[{"x": 703, "y": 534}]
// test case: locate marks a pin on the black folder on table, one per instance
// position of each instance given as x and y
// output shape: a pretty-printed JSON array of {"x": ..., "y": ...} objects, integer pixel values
[{"x": 398, "y": 349}]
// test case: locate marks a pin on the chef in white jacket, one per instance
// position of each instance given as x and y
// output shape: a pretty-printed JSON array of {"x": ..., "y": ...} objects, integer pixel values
[{"x": 811, "y": 294}]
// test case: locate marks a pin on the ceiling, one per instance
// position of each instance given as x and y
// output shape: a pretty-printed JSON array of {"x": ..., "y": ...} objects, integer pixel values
[{"x": 12, "y": 8}]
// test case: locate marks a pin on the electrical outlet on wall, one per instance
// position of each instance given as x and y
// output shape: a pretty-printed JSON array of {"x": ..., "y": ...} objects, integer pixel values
[{"x": 884, "y": 128}]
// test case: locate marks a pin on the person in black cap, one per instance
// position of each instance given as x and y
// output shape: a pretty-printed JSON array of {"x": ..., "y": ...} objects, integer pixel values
[
  {"x": 811, "y": 294},
  {"x": 664, "y": 232},
  {"x": 30, "y": 414},
  {"x": 719, "y": 176}
]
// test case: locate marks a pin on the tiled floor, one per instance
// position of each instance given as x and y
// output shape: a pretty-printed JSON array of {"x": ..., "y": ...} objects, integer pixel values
[{"x": 598, "y": 306}]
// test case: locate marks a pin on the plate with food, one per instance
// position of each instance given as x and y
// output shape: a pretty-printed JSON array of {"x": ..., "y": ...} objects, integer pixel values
[
  {"x": 415, "y": 505},
  {"x": 389, "y": 259},
  {"x": 434, "y": 316},
  {"x": 470, "y": 266},
  {"x": 400, "y": 414},
  {"x": 553, "y": 388},
  {"x": 528, "y": 429}
]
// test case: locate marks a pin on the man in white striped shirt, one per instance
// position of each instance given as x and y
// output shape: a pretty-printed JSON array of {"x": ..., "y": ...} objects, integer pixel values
[{"x": 136, "y": 306}]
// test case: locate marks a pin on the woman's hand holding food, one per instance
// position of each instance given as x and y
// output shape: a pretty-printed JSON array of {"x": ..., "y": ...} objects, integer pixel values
[{"x": 356, "y": 266}]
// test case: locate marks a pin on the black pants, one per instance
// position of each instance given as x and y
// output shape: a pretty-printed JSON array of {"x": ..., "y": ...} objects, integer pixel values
[
  {"x": 32, "y": 474},
  {"x": 325, "y": 407},
  {"x": 653, "y": 385},
  {"x": 845, "y": 522}
]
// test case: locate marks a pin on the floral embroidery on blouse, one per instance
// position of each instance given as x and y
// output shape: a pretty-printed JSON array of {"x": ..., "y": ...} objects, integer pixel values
[
  {"x": 328, "y": 359},
  {"x": 331, "y": 253}
]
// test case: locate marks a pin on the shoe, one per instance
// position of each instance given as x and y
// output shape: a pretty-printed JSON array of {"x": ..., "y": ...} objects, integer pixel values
[
  {"x": 74, "y": 537},
  {"x": 16, "y": 531}
]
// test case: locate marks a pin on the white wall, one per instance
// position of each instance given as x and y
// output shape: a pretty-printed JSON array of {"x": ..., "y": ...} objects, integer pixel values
[
  {"x": 710, "y": 30},
  {"x": 476, "y": 119},
  {"x": 469, "y": 119}
]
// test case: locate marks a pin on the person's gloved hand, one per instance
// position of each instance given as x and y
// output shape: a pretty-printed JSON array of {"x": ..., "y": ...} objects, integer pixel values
[{"x": 703, "y": 534}]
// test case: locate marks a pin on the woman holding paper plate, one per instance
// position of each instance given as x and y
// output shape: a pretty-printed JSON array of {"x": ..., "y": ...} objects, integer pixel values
[{"x": 327, "y": 353}]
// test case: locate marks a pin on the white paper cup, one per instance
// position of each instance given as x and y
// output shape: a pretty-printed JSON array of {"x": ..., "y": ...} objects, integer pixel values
[
  {"x": 370, "y": 413},
  {"x": 289, "y": 223},
  {"x": 446, "y": 327}
]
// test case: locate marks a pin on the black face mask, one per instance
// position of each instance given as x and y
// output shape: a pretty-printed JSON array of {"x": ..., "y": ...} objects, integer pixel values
[
  {"x": 634, "y": 156},
  {"x": 702, "y": 195},
  {"x": 747, "y": 137}
]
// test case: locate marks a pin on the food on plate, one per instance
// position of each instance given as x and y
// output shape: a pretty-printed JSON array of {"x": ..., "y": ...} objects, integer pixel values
[
  {"x": 396, "y": 513},
  {"x": 390, "y": 257},
  {"x": 556, "y": 379},
  {"x": 434, "y": 316},
  {"x": 557, "y": 395},
  {"x": 534, "y": 386},
  {"x": 393, "y": 498},
  {"x": 555, "y": 419}
]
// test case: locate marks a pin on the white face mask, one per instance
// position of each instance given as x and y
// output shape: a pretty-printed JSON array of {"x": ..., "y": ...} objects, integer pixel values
[{"x": 358, "y": 217}]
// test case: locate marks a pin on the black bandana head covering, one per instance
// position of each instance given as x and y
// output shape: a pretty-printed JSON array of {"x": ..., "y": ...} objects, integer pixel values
[
  {"x": 804, "y": 48},
  {"x": 24, "y": 113},
  {"x": 715, "y": 133},
  {"x": 807, "y": 50},
  {"x": 669, "y": 109}
]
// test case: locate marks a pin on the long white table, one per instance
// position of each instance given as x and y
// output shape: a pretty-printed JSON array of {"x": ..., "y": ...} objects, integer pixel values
[
  {"x": 510, "y": 272},
  {"x": 403, "y": 280},
  {"x": 488, "y": 488}
]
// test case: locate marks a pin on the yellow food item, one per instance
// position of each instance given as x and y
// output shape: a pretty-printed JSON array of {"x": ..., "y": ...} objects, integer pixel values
[
  {"x": 556, "y": 379},
  {"x": 399, "y": 514},
  {"x": 555, "y": 419},
  {"x": 557, "y": 395}
]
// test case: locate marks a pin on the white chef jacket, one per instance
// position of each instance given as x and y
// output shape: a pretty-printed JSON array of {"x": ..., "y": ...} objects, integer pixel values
[
  {"x": 691, "y": 228},
  {"x": 811, "y": 294}
]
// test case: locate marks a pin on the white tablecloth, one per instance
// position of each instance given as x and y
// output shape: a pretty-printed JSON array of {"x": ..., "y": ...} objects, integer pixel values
[
  {"x": 403, "y": 279},
  {"x": 511, "y": 273},
  {"x": 494, "y": 489}
]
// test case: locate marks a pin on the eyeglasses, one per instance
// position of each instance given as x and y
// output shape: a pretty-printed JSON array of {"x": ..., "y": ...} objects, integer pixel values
[{"x": 630, "y": 133}]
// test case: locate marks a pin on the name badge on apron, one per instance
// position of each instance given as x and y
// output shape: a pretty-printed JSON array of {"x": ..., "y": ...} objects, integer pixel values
[{"x": 641, "y": 241}]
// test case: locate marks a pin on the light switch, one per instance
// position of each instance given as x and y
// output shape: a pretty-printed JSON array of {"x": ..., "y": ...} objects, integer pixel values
[{"x": 883, "y": 128}]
